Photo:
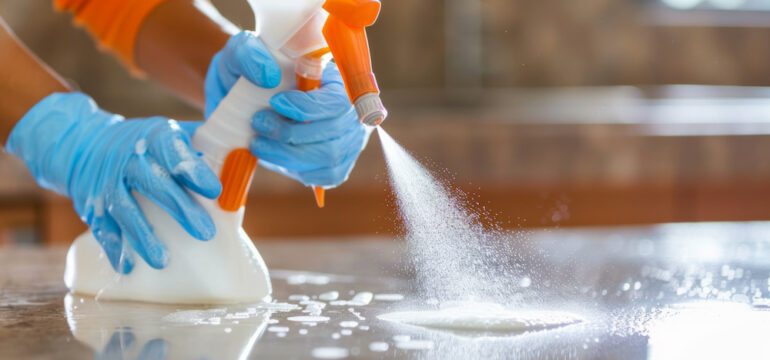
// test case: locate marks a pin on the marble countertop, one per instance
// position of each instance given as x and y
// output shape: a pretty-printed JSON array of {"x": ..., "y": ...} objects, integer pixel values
[{"x": 670, "y": 290}]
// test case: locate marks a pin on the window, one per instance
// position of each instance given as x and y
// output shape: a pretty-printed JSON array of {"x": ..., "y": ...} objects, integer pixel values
[
  {"x": 716, "y": 13},
  {"x": 740, "y": 5}
]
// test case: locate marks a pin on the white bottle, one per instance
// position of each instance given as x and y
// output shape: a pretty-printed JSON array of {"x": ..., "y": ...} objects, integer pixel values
[{"x": 227, "y": 268}]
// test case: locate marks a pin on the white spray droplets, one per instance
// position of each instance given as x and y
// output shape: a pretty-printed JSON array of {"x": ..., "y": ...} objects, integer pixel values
[{"x": 453, "y": 255}]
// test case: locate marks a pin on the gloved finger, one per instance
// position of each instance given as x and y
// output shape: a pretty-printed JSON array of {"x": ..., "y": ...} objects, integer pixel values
[
  {"x": 329, "y": 101},
  {"x": 335, "y": 175},
  {"x": 116, "y": 347},
  {"x": 332, "y": 75},
  {"x": 271, "y": 125},
  {"x": 107, "y": 234},
  {"x": 305, "y": 157},
  {"x": 134, "y": 227},
  {"x": 172, "y": 150},
  {"x": 213, "y": 87},
  {"x": 146, "y": 176},
  {"x": 246, "y": 55}
]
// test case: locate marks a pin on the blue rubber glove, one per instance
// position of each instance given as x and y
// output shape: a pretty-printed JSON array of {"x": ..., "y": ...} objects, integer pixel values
[
  {"x": 313, "y": 137},
  {"x": 97, "y": 159},
  {"x": 243, "y": 55}
]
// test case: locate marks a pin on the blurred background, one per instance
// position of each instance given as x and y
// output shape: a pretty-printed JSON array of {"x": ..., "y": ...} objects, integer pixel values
[{"x": 548, "y": 112}]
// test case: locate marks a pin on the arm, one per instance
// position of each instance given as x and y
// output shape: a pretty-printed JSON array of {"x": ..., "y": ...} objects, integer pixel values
[
  {"x": 24, "y": 81},
  {"x": 176, "y": 42},
  {"x": 97, "y": 159}
]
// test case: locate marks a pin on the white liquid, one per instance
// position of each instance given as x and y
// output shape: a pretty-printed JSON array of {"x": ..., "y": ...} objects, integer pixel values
[
  {"x": 330, "y": 353},
  {"x": 308, "y": 318},
  {"x": 278, "y": 329},
  {"x": 378, "y": 346},
  {"x": 389, "y": 297},
  {"x": 225, "y": 269},
  {"x": 482, "y": 317},
  {"x": 328, "y": 296},
  {"x": 454, "y": 256},
  {"x": 360, "y": 299}
]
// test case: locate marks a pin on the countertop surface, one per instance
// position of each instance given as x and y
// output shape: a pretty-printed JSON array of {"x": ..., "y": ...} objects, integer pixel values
[{"x": 664, "y": 291}]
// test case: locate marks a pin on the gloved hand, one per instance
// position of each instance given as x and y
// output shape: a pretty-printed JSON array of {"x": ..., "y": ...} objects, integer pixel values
[
  {"x": 97, "y": 159},
  {"x": 313, "y": 137},
  {"x": 243, "y": 55}
]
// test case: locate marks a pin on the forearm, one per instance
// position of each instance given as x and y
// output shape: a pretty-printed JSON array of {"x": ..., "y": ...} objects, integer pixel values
[
  {"x": 175, "y": 45},
  {"x": 24, "y": 81}
]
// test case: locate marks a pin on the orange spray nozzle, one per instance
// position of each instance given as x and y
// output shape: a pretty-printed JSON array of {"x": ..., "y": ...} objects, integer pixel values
[{"x": 345, "y": 34}]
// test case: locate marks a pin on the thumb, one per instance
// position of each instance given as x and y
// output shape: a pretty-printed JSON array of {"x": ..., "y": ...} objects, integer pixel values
[{"x": 247, "y": 56}]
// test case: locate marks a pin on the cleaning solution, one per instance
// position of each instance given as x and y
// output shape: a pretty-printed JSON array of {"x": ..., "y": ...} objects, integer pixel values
[
  {"x": 457, "y": 261},
  {"x": 228, "y": 268}
]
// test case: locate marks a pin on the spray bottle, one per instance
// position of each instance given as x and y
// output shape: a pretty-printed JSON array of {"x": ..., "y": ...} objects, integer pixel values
[{"x": 228, "y": 268}]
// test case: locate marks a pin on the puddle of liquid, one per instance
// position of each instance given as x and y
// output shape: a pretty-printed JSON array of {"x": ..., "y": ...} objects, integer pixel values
[
  {"x": 388, "y": 297},
  {"x": 484, "y": 317},
  {"x": 308, "y": 318},
  {"x": 329, "y": 296},
  {"x": 304, "y": 277},
  {"x": 378, "y": 346},
  {"x": 330, "y": 353},
  {"x": 361, "y": 299}
]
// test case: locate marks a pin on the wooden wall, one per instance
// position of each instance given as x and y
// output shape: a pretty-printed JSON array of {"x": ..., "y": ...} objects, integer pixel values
[{"x": 524, "y": 43}]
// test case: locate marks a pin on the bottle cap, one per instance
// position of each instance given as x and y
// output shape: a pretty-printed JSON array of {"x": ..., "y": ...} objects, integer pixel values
[{"x": 370, "y": 109}]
